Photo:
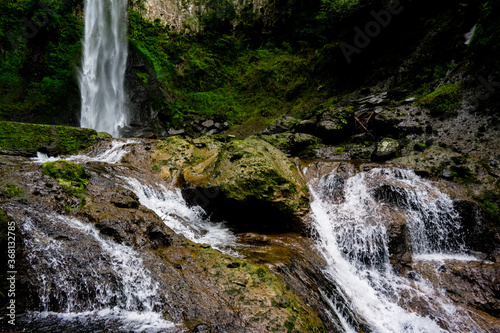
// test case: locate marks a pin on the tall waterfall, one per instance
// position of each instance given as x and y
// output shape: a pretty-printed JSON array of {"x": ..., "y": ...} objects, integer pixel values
[{"x": 103, "y": 70}]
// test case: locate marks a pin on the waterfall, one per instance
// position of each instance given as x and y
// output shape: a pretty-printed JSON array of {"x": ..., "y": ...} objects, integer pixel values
[
  {"x": 105, "y": 286},
  {"x": 191, "y": 222},
  {"x": 103, "y": 68},
  {"x": 351, "y": 218}
]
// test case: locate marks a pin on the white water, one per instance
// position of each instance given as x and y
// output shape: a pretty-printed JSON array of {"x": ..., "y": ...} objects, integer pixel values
[
  {"x": 103, "y": 68},
  {"x": 108, "y": 283},
  {"x": 113, "y": 155},
  {"x": 191, "y": 222},
  {"x": 350, "y": 221}
]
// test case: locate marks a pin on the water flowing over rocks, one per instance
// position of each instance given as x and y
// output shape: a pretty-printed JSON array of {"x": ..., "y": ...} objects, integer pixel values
[{"x": 106, "y": 262}]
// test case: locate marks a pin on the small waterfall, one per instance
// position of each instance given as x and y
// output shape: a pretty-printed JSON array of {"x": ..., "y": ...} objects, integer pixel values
[
  {"x": 103, "y": 68},
  {"x": 351, "y": 218},
  {"x": 191, "y": 222},
  {"x": 106, "y": 284}
]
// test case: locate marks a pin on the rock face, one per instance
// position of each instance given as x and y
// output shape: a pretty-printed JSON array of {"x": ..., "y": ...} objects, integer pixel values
[
  {"x": 184, "y": 16},
  {"x": 27, "y": 139},
  {"x": 247, "y": 181}
]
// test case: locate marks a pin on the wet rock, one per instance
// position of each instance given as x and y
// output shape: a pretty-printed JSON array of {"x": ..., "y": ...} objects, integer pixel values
[
  {"x": 386, "y": 149},
  {"x": 126, "y": 199},
  {"x": 333, "y": 187},
  {"x": 202, "y": 328},
  {"x": 159, "y": 237},
  {"x": 399, "y": 243}
]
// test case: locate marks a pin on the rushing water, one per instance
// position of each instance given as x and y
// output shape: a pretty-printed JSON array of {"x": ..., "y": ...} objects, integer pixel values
[
  {"x": 351, "y": 220},
  {"x": 109, "y": 286},
  {"x": 103, "y": 68},
  {"x": 191, "y": 222},
  {"x": 103, "y": 286}
]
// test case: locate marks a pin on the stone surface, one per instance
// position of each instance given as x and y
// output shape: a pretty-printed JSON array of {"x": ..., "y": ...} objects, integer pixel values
[
  {"x": 386, "y": 149},
  {"x": 250, "y": 181}
]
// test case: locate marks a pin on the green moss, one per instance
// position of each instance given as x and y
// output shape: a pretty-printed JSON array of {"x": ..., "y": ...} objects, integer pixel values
[
  {"x": 339, "y": 150},
  {"x": 12, "y": 191},
  {"x": 444, "y": 99},
  {"x": 70, "y": 175},
  {"x": 491, "y": 209},
  {"x": 27, "y": 139}
]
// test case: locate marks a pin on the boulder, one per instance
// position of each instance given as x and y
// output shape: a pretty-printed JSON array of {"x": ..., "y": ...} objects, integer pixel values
[
  {"x": 27, "y": 139},
  {"x": 386, "y": 149},
  {"x": 247, "y": 181}
]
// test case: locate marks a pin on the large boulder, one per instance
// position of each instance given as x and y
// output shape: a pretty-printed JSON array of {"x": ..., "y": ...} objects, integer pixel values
[
  {"x": 247, "y": 181},
  {"x": 27, "y": 139}
]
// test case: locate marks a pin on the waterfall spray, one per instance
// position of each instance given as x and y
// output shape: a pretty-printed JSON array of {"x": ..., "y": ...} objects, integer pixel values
[{"x": 103, "y": 69}]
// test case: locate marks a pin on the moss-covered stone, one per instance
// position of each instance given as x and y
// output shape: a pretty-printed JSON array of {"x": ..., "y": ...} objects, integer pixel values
[
  {"x": 249, "y": 176},
  {"x": 26, "y": 139},
  {"x": 444, "y": 99},
  {"x": 386, "y": 149},
  {"x": 12, "y": 191},
  {"x": 70, "y": 175}
]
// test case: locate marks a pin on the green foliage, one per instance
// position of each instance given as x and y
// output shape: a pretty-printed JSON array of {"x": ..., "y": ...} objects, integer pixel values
[
  {"x": 70, "y": 175},
  {"x": 37, "y": 73},
  {"x": 218, "y": 75},
  {"x": 444, "y": 99}
]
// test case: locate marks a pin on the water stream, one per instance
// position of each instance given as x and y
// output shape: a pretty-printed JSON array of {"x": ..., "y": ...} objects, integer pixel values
[
  {"x": 351, "y": 218},
  {"x": 103, "y": 68}
]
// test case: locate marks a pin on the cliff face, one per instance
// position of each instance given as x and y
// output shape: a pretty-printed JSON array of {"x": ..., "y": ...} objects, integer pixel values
[{"x": 184, "y": 15}]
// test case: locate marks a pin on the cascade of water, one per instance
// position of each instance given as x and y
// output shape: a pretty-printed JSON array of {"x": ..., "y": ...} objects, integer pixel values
[
  {"x": 190, "y": 222},
  {"x": 112, "y": 155},
  {"x": 350, "y": 220},
  {"x": 108, "y": 282},
  {"x": 103, "y": 68}
]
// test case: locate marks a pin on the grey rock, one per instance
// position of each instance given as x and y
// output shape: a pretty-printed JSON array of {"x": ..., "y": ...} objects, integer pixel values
[
  {"x": 208, "y": 124},
  {"x": 173, "y": 132}
]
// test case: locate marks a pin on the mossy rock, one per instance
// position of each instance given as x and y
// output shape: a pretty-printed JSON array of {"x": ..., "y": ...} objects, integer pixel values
[
  {"x": 70, "y": 175},
  {"x": 11, "y": 191},
  {"x": 444, "y": 99},
  {"x": 248, "y": 181},
  {"x": 386, "y": 149},
  {"x": 27, "y": 139}
]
